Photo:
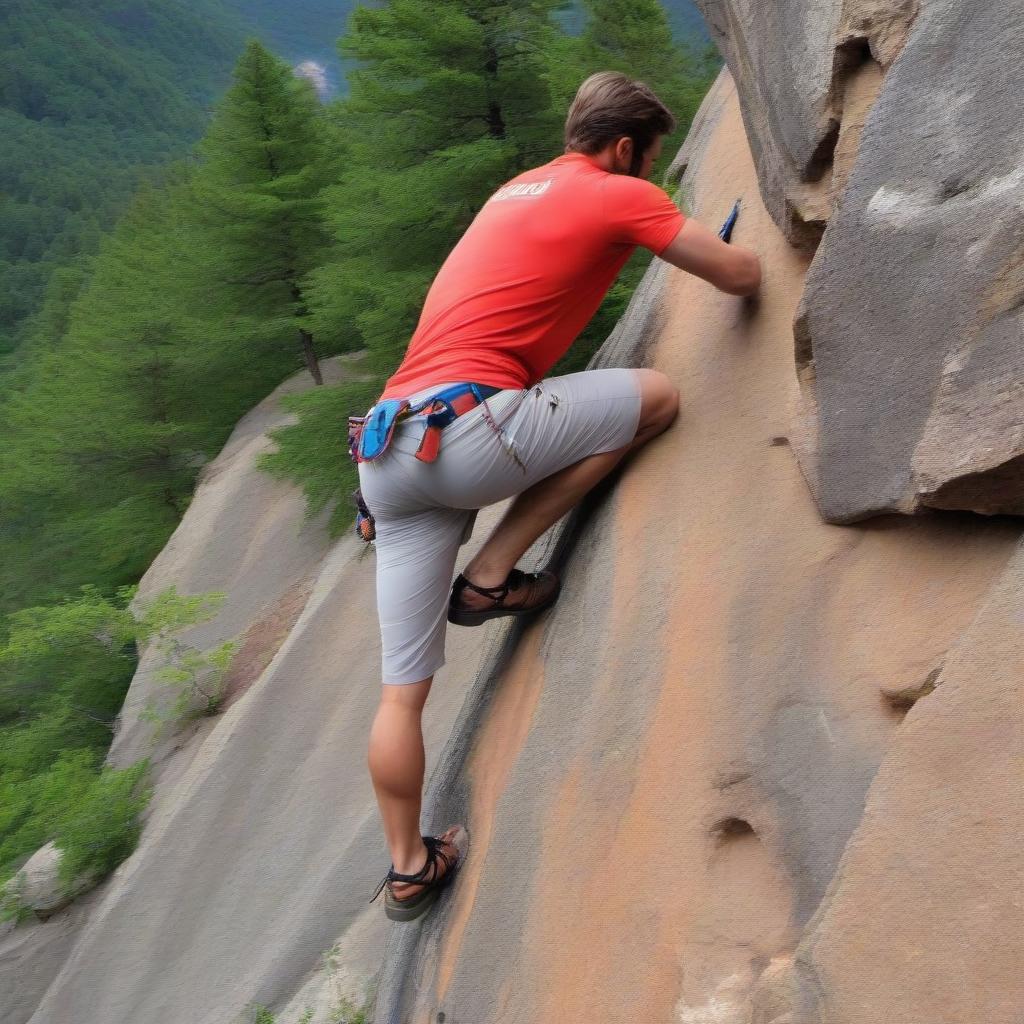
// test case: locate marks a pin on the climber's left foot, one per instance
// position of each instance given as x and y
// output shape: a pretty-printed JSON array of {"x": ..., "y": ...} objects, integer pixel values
[{"x": 409, "y": 896}]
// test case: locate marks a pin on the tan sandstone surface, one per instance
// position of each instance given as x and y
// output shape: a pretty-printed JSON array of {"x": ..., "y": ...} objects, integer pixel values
[{"x": 676, "y": 757}]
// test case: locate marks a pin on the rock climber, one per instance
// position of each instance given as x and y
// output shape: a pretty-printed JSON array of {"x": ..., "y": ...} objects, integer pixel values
[{"x": 470, "y": 418}]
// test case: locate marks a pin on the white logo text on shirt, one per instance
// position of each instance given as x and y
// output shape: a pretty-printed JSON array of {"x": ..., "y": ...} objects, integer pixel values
[{"x": 522, "y": 188}]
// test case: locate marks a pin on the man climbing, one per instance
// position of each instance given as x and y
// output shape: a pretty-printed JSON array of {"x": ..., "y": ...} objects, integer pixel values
[{"x": 470, "y": 419}]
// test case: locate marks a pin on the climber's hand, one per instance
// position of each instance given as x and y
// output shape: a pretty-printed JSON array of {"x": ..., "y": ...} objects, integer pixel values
[{"x": 700, "y": 251}]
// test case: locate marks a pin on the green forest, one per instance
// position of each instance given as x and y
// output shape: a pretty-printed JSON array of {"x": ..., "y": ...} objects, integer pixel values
[
  {"x": 99, "y": 96},
  {"x": 92, "y": 95},
  {"x": 148, "y": 311}
]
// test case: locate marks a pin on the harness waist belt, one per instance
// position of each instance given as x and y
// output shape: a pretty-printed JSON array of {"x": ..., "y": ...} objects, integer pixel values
[{"x": 370, "y": 435}]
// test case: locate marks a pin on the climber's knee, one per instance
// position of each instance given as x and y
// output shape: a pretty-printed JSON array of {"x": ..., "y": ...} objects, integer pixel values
[
  {"x": 408, "y": 695},
  {"x": 659, "y": 403}
]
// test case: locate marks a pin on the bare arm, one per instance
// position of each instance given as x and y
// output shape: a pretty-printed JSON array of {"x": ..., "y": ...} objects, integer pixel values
[{"x": 730, "y": 268}]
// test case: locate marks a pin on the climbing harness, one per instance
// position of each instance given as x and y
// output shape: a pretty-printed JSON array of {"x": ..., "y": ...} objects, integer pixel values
[{"x": 369, "y": 436}]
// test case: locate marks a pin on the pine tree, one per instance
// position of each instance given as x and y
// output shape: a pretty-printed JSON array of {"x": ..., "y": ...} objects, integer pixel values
[
  {"x": 450, "y": 99},
  {"x": 265, "y": 162}
]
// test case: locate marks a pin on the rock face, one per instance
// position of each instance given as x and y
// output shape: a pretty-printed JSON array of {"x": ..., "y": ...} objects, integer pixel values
[
  {"x": 910, "y": 336},
  {"x": 938, "y": 854},
  {"x": 800, "y": 64},
  {"x": 912, "y": 325},
  {"x": 753, "y": 768},
  {"x": 672, "y": 763}
]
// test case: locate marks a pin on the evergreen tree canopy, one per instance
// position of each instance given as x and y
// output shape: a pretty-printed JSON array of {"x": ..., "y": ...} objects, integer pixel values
[
  {"x": 450, "y": 98},
  {"x": 258, "y": 194},
  {"x": 91, "y": 94}
]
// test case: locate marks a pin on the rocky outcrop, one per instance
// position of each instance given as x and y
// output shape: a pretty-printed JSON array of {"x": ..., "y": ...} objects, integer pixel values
[
  {"x": 910, "y": 337},
  {"x": 911, "y": 332},
  {"x": 806, "y": 71},
  {"x": 37, "y": 887}
]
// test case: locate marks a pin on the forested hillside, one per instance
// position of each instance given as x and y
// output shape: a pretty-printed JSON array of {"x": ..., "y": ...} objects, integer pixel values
[
  {"x": 95, "y": 95},
  {"x": 91, "y": 93}
]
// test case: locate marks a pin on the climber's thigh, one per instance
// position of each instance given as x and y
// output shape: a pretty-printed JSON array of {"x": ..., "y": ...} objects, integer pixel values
[
  {"x": 569, "y": 418},
  {"x": 415, "y": 563},
  {"x": 425, "y": 510},
  {"x": 552, "y": 425}
]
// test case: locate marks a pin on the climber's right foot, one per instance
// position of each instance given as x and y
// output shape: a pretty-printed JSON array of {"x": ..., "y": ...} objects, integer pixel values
[{"x": 521, "y": 594}]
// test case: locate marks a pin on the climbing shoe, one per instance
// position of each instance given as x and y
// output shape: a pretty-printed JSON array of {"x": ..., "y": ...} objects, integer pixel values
[
  {"x": 438, "y": 871},
  {"x": 521, "y": 594}
]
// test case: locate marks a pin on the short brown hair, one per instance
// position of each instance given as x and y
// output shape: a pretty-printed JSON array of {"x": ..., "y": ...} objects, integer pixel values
[{"x": 609, "y": 105}]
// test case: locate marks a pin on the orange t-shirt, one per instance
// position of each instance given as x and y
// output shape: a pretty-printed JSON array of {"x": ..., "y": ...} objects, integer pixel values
[{"x": 529, "y": 273}]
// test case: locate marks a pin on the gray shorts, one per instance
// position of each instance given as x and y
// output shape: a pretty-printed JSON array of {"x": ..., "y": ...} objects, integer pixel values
[{"x": 425, "y": 510}]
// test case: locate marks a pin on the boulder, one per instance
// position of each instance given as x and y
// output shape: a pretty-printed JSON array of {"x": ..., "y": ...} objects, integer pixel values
[
  {"x": 804, "y": 67},
  {"x": 37, "y": 886},
  {"x": 910, "y": 337}
]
